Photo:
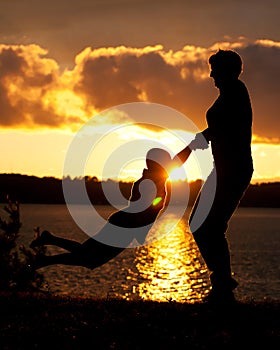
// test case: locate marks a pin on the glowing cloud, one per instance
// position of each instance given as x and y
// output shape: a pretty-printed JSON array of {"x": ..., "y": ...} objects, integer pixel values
[{"x": 36, "y": 93}]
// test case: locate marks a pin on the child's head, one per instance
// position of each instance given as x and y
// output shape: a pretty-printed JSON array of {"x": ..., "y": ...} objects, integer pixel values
[{"x": 158, "y": 159}]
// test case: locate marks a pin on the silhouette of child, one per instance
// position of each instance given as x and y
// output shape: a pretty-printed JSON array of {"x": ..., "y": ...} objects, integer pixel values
[{"x": 147, "y": 200}]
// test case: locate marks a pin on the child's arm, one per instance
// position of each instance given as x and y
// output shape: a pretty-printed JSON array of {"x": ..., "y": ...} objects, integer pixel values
[{"x": 182, "y": 156}]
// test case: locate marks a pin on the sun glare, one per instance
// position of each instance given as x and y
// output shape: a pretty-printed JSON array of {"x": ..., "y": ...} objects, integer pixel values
[
  {"x": 177, "y": 174},
  {"x": 170, "y": 268}
]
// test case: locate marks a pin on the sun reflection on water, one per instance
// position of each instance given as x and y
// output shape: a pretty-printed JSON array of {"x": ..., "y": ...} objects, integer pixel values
[{"x": 170, "y": 269}]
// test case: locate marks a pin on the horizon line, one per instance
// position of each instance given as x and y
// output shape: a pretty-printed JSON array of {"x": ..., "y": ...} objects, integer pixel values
[{"x": 253, "y": 181}]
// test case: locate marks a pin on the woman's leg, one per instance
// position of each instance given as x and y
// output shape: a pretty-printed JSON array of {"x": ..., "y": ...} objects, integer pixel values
[
  {"x": 208, "y": 223},
  {"x": 210, "y": 236}
]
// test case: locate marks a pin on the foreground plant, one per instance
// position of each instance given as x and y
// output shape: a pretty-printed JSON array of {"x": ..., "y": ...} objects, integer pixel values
[{"x": 16, "y": 272}]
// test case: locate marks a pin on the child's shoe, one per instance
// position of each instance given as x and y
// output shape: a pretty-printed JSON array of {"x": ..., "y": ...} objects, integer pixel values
[{"x": 40, "y": 239}]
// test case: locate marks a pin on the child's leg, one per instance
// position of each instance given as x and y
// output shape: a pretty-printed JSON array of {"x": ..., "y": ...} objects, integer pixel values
[
  {"x": 67, "y": 244},
  {"x": 46, "y": 238},
  {"x": 90, "y": 254}
]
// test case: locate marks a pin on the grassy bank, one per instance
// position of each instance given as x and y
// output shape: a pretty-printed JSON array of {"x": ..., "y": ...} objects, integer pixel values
[{"x": 55, "y": 322}]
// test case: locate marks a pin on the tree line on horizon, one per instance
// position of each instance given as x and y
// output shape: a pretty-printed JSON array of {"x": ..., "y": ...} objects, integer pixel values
[{"x": 49, "y": 190}]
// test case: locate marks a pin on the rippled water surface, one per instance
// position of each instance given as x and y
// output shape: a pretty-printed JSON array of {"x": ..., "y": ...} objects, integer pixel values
[{"x": 168, "y": 269}]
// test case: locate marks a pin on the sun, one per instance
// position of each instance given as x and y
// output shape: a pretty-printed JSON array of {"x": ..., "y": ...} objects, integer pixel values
[{"x": 177, "y": 174}]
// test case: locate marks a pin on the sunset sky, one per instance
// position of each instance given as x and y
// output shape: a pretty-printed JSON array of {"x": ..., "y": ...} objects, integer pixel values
[{"x": 64, "y": 62}]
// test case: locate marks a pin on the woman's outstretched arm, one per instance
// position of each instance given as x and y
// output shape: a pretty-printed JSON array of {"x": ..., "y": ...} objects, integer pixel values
[{"x": 199, "y": 142}]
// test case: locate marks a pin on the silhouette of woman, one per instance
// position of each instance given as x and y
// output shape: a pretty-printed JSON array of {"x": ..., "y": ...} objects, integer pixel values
[
  {"x": 132, "y": 222},
  {"x": 229, "y": 132}
]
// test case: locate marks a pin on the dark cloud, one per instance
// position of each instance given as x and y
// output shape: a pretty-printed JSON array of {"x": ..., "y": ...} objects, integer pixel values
[
  {"x": 25, "y": 79},
  {"x": 11, "y": 66},
  {"x": 111, "y": 78},
  {"x": 115, "y": 78},
  {"x": 262, "y": 75},
  {"x": 10, "y": 62}
]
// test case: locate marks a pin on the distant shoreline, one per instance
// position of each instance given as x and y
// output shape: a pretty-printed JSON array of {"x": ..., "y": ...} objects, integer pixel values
[{"x": 48, "y": 190}]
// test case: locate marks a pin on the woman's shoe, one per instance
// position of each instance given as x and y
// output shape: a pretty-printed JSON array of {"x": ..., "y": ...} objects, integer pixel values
[{"x": 220, "y": 298}]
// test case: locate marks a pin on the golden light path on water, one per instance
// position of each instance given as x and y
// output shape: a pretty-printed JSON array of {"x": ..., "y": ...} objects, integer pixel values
[{"x": 170, "y": 269}]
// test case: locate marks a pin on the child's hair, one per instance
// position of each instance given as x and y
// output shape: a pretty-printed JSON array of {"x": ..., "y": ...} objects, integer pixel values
[{"x": 158, "y": 156}]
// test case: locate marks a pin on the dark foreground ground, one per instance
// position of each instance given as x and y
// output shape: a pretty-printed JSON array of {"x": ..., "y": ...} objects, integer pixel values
[{"x": 52, "y": 322}]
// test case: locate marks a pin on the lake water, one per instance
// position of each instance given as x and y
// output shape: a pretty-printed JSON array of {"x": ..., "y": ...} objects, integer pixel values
[{"x": 169, "y": 269}]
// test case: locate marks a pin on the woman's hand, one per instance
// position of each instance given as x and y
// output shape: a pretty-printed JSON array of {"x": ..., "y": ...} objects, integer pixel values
[{"x": 200, "y": 141}]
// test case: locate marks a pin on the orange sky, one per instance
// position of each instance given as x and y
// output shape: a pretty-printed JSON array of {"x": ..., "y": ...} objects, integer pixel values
[{"x": 57, "y": 72}]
